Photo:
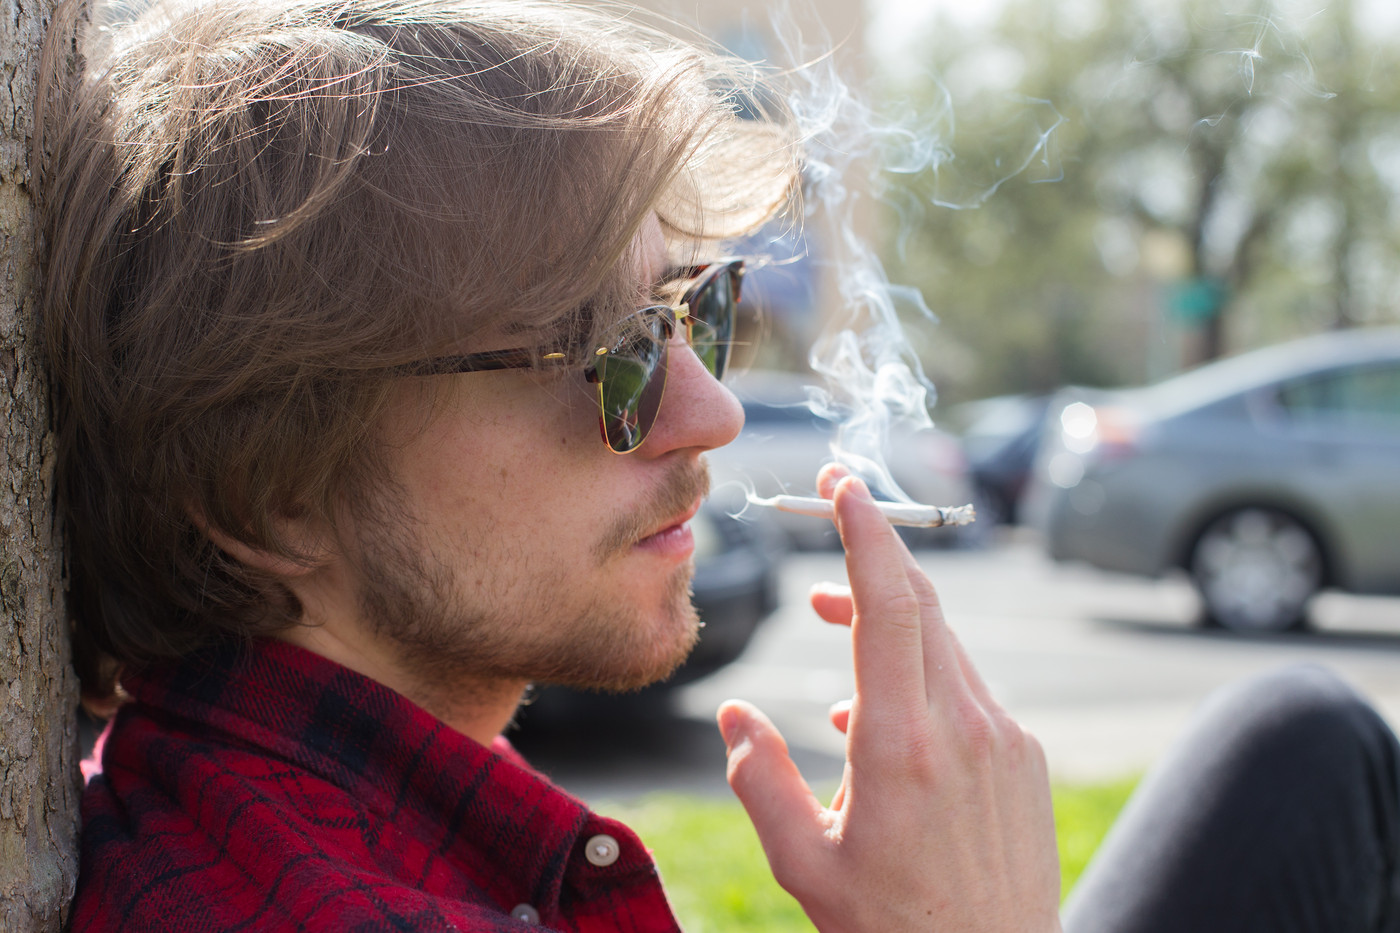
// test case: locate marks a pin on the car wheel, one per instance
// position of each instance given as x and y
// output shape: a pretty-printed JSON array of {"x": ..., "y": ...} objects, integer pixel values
[{"x": 1256, "y": 569}]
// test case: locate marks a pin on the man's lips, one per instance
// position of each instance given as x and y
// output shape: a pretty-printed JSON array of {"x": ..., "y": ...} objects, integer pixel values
[
  {"x": 662, "y": 512},
  {"x": 672, "y": 528}
]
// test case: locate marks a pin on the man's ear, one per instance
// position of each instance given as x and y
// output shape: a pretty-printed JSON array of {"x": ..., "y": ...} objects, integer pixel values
[{"x": 301, "y": 532}]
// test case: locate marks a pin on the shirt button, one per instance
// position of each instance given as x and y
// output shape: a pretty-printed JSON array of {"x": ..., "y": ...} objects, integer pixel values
[
  {"x": 602, "y": 850},
  {"x": 525, "y": 913}
]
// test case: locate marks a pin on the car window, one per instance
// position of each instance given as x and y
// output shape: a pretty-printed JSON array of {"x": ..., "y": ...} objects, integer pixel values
[
  {"x": 758, "y": 414},
  {"x": 1363, "y": 397}
]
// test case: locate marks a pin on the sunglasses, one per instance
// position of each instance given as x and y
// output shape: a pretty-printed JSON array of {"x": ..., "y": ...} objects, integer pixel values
[{"x": 629, "y": 367}]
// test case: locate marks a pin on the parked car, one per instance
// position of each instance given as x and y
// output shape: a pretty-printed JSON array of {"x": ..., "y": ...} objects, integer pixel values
[
  {"x": 1000, "y": 437},
  {"x": 1266, "y": 477},
  {"x": 735, "y": 589},
  {"x": 784, "y": 442}
]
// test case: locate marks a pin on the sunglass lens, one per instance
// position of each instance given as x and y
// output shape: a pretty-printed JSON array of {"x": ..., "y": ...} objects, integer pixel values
[
  {"x": 631, "y": 376},
  {"x": 631, "y": 380},
  {"x": 712, "y": 309}
]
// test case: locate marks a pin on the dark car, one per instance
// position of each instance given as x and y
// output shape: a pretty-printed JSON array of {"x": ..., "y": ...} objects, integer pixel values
[
  {"x": 1000, "y": 438},
  {"x": 736, "y": 588},
  {"x": 1267, "y": 477}
]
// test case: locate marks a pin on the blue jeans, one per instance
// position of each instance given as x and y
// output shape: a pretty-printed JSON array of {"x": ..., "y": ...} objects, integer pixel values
[{"x": 1279, "y": 812}]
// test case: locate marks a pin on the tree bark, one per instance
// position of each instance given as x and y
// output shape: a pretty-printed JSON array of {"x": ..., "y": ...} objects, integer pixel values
[{"x": 39, "y": 783}]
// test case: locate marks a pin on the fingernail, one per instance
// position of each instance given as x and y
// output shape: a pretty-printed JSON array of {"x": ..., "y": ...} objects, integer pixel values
[
  {"x": 861, "y": 490},
  {"x": 728, "y": 719}
]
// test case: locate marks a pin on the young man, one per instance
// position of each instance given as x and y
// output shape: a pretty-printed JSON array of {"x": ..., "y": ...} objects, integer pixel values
[{"x": 340, "y": 295}]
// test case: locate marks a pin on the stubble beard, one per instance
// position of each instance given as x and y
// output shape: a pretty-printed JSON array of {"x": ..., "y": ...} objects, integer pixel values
[{"x": 453, "y": 645}]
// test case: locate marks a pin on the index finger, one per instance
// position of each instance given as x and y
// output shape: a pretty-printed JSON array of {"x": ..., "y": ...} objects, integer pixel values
[
  {"x": 828, "y": 476},
  {"x": 887, "y": 629}
]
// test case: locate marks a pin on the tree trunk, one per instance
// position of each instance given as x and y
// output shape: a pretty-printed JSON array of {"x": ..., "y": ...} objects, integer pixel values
[{"x": 39, "y": 781}]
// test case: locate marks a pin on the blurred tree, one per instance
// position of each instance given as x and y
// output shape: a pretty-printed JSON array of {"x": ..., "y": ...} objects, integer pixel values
[
  {"x": 39, "y": 780},
  {"x": 1223, "y": 176}
]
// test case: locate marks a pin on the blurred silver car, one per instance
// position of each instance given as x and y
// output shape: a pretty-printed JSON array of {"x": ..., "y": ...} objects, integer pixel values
[
  {"x": 1267, "y": 477},
  {"x": 783, "y": 443}
]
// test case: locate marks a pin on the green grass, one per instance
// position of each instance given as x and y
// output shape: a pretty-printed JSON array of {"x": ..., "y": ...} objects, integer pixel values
[
  {"x": 718, "y": 879},
  {"x": 1083, "y": 814}
]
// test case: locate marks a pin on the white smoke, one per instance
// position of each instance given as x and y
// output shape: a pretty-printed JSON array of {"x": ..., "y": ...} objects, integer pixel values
[{"x": 872, "y": 382}]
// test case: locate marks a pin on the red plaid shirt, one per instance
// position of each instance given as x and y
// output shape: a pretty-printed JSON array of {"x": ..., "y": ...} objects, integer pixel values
[{"x": 270, "y": 789}]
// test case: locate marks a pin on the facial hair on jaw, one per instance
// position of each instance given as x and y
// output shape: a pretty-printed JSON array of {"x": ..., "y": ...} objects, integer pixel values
[{"x": 454, "y": 646}]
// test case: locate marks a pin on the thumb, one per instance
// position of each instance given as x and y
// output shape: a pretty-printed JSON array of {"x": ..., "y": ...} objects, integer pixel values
[{"x": 782, "y": 808}]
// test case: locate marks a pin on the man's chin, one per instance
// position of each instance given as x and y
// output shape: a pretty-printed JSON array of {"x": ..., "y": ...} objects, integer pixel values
[
  {"x": 641, "y": 654},
  {"x": 605, "y": 648},
  {"x": 646, "y": 668},
  {"x": 629, "y": 682}
]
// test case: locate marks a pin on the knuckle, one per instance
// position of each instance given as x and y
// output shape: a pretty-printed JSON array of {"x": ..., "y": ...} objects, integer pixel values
[
  {"x": 902, "y": 607},
  {"x": 977, "y": 730},
  {"x": 909, "y": 754},
  {"x": 784, "y": 865},
  {"x": 1015, "y": 741},
  {"x": 921, "y": 762},
  {"x": 797, "y": 871},
  {"x": 925, "y": 593},
  {"x": 1032, "y": 749}
]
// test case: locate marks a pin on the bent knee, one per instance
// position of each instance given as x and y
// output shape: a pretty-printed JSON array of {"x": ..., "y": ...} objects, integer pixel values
[{"x": 1300, "y": 711}]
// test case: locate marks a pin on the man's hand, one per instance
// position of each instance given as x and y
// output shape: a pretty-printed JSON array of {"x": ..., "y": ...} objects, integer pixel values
[{"x": 942, "y": 820}]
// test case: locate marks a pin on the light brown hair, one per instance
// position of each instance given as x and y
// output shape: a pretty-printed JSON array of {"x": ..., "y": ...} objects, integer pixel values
[{"x": 254, "y": 211}]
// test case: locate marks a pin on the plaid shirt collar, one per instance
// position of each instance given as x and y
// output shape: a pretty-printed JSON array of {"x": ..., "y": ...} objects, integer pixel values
[{"x": 478, "y": 819}]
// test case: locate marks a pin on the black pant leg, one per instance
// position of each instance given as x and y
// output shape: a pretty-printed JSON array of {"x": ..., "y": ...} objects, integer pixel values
[{"x": 1278, "y": 812}]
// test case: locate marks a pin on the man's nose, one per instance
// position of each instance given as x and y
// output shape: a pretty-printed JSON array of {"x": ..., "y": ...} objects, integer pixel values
[{"x": 697, "y": 411}]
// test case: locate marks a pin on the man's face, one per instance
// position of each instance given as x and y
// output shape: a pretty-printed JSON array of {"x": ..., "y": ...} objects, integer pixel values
[{"x": 516, "y": 546}]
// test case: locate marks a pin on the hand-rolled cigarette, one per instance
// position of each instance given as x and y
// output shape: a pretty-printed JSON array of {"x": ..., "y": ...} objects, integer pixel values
[{"x": 898, "y": 513}]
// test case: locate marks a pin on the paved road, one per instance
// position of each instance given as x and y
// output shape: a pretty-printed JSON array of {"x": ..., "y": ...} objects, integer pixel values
[{"x": 1105, "y": 670}]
